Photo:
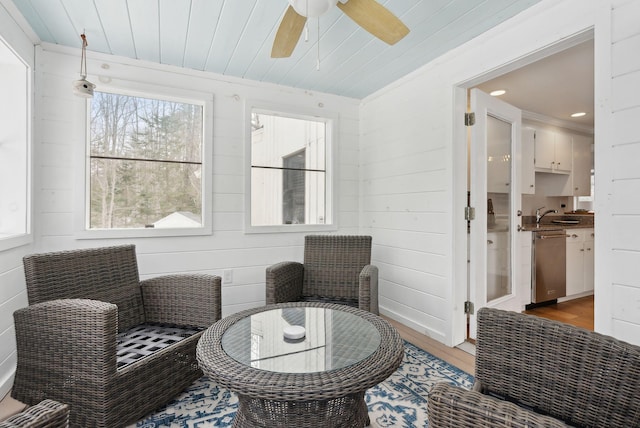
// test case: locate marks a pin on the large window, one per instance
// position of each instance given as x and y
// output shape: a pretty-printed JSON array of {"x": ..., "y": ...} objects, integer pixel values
[
  {"x": 145, "y": 163},
  {"x": 14, "y": 149},
  {"x": 290, "y": 183}
]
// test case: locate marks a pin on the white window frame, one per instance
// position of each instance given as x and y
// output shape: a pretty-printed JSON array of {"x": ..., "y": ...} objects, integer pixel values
[
  {"x": 26, "y": 237},
  {"x": 331, "y": 122},
  {"x": 145, "y": 90}
]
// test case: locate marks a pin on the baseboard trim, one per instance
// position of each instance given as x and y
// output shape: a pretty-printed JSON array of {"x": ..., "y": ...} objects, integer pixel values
[
  {"x": 6, "y": 383},
  {"x": 435, "y": 335}
]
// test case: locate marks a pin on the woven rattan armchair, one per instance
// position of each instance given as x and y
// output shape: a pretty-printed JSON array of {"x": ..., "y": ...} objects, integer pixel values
[
  {"x": 533, "y": 372},
  {"x": 97, "y": 338},
  {"x": 336, "y": 269},
  {"x": 45, "y": 414}
]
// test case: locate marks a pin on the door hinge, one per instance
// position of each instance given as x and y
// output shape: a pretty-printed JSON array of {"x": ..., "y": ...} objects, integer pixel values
[
  {"x": 468, "y": 307},
  {"x": 469, "y": 213},
  {"x": 469, "y": 119}
]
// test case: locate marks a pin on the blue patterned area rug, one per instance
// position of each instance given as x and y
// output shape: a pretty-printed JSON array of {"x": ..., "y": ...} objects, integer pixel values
[{"x": 399, "y": 402}]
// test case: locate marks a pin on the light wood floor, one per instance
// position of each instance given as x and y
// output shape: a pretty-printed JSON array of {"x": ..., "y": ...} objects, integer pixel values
[
  {"x": 578, "y": 312},
  {"x": 457, "y": 357}
]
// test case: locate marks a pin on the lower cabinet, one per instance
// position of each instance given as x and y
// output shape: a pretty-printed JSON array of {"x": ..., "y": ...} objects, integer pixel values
[{"x": 579, "y": 261}]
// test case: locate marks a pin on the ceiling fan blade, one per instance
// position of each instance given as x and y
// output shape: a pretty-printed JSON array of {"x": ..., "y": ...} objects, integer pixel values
[
  {"x": 376, "y": 19},
  {"x": 288, "y": 34}
]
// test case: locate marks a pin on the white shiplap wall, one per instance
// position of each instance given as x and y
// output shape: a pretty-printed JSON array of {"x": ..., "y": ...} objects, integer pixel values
[
  {"x": 617, "y": 153},
  {"x": 406, "y": 202},
  {"x": 12, "y": 287},
  {"x": 413, "y": 152}
]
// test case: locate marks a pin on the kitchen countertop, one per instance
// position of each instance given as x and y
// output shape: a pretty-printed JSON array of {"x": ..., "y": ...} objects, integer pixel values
[
  {"x": 549, "y": 223},
  {"x": 585, "y": 221},
  {"x": 546, "y": 227}
]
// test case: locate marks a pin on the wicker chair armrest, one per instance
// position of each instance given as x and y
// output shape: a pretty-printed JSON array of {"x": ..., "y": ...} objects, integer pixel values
[
  {"x": 46, "y": 414},
  {"x": 453, "y": 407},
  {"x": 183, "y": 299},
  {"x": 284, "y": 282},
  {"x": 54, "y": 329},
  {"x": 368, "y": 294}
]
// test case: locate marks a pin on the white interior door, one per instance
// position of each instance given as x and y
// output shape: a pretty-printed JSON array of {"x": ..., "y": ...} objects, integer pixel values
[{"x": 494, "y": 184}]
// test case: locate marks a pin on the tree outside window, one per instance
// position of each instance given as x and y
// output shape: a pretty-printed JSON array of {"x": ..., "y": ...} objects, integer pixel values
[{"x": 145, "y": 163}]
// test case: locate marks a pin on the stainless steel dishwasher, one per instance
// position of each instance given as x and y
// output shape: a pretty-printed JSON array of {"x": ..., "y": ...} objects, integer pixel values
[{"x": 549, "y": 265}]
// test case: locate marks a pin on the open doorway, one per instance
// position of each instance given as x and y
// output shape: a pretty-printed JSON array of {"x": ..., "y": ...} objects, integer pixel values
[{"x": 548, "y": 88}]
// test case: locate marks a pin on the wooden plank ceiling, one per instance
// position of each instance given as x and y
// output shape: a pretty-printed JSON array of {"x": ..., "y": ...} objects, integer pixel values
[{"x": 234, "y": 37}]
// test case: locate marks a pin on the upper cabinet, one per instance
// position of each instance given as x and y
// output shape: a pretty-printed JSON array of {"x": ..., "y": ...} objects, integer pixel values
[
  {"x": 528, "y": 174},
  {"x": 552, "y": 152},
  {"x": 565, "y": 160},
  {"x": 582, "y": 165}
]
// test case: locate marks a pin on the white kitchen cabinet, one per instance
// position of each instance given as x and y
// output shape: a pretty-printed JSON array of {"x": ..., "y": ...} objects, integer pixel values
[
  {"x": 527, "y": 167},
  {"x": 579, "y": 261},
  {"x": 563, "y": 153},
  {"x": 552, "y": 152},
  {"x": 578, "y": 182},
  {"x": 588, "y": 260},
  {"x": 582, "y": 155},
  {"x": 575, "y": 263}
]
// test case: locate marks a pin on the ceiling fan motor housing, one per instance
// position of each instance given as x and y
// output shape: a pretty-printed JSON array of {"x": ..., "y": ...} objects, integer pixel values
[{"x": 312, "y": 8}]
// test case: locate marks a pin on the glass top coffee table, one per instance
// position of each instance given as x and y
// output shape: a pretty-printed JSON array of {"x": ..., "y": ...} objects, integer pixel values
[{"x": 316, "y": 380}]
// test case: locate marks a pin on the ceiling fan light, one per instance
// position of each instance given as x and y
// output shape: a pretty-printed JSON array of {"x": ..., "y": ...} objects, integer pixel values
[{"x": 315, "y": 7}]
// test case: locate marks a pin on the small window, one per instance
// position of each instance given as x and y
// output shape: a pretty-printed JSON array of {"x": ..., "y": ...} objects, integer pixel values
[
  {"x": 290, "y": 178},
  {"x": 15, "y": 138},
  {"x": 145, "y": 164}
]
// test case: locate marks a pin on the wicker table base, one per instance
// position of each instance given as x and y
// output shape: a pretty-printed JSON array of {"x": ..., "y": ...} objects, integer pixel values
[
  {"x": 348, "y": 411},
  {"x": 331, "y": 398}
]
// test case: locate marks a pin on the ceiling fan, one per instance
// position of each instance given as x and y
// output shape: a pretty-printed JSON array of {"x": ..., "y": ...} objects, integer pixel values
[{"x": 369, "y": 14}]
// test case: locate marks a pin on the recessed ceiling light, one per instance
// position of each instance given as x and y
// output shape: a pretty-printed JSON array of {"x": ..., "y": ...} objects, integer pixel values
[
  {"x": 579, "y": 114},
  {"x": 497, "y": 92}
]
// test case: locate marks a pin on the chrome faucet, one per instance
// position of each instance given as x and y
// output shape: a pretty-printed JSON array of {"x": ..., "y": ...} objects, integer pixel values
[{"x": 539, "y": 216}]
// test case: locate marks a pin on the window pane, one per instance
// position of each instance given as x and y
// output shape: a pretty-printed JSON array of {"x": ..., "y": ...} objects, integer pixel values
[
  {"x": 275, "y": 137},
  {"x": 128, "y": 194},
  {"x": 288, "y": 170},
  {"x": 287, "y": 197},
  {"x": 134, "y": 127},
  {"x": 145, "y": 161},
  {"x": 14, "y": 145}
]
